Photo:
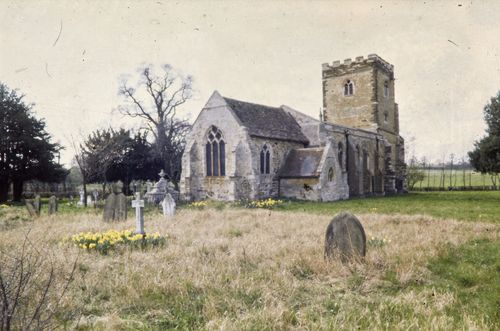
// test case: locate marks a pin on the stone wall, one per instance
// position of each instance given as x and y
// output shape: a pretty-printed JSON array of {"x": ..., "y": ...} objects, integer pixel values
[
  {"x": 300, "y": 188},
  {"x": 267, "y": 185},
  {"x": 195, "y": 185}
]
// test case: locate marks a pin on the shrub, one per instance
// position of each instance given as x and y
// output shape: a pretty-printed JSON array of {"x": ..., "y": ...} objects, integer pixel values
[{"x": 32, "y": 287}]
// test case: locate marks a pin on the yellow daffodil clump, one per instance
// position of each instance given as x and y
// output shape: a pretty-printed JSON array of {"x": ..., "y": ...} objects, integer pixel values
[
  {"x": 267, "y": 203},
  {"x": 198, "y": 204},
  {"x": 106, "y": 241},
  {"x": 377, "y": 242}
]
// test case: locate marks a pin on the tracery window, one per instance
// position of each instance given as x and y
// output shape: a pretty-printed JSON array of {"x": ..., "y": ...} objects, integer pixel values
[
  {"x": 330, "y": 174},
  {"x": 265, "y": 160},
  {"x": 215, "y": 152},
  {"x": 349, "y": 88}
]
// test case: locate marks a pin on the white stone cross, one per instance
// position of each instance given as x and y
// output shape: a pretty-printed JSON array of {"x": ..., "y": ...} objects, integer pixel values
[{"x": 138, "y": 204}]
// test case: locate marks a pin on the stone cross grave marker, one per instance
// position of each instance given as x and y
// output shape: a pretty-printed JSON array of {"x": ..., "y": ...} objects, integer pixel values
[
  {"x": 52, "y": 205},
  {"x": 138, "y": 204},
  {"x": 168, "y": 206},
  {"x": 345, "y": 238}
]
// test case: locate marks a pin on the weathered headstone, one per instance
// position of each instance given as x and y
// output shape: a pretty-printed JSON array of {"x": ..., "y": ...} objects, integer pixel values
[
  {"x": 90, "y": 202},
  {"x": 31, "y": 208},
  {"x": 168, "y": 206},
  {"x": 95, "y": 195},
  {"x": 82, "y": 198},
  {"x": 115, "y": 207},
  {"x": 52, "y": 205},
  {"x": 138, "y": 204},
  {"x": 37, "y": 204},
  {"x": 345, "y": 238}
]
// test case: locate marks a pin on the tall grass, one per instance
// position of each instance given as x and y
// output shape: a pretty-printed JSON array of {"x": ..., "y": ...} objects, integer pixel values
[{"x": 260, "y": 270}]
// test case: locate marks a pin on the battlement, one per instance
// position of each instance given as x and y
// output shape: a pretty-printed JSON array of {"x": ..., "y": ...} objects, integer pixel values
[{"x": 359, "y": 62}]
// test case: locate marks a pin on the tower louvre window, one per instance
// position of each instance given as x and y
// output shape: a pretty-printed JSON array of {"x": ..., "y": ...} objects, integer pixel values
[
  {"x": 349, "y": 88},
  {"x": 215, "y": 153},
  {"x": 386, "y": 89}
]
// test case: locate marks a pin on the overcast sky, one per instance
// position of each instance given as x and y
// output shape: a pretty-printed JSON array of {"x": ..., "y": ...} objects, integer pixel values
[{"x": 68, "y": 57}]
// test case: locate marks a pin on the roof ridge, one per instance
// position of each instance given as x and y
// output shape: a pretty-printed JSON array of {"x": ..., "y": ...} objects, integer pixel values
[{"x": 252, "y": 103}]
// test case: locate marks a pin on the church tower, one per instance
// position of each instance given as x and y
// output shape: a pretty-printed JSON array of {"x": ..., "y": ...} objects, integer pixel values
[{"x": 360, "y": 94}]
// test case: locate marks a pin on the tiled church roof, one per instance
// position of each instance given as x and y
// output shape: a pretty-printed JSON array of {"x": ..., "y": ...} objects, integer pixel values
[
  {"x": 302, "y": 162},
  {"x": 267, "y": 122}
]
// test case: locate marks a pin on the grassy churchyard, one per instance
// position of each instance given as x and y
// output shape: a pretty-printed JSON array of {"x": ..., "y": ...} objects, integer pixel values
[{"x": 432, "y": 263}]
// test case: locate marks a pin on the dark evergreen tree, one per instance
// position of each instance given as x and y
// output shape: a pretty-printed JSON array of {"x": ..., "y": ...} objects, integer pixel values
[
  {"x": 26, "y": 150},
  {"x": 486, "y": 154}
]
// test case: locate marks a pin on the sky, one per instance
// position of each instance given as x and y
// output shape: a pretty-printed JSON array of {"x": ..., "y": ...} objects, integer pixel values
[{"x": 69, "y": 57}]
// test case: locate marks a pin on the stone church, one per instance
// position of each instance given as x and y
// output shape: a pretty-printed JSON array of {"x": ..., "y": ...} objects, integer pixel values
[{"x": 241, "y": 150}]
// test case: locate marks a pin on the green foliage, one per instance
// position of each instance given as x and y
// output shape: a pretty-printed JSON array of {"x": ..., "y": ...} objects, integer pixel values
[
  {"x": 26, "y": 150},
  {"x": 111, "y": 155},
  {"x": 486, "y": 154},
  {"x": 414, "y": 174}
]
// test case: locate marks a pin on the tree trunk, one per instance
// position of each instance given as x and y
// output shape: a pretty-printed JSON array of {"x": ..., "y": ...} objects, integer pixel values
[
  {"x": 84, "y": 193},
  {"x": 4, "y": 191},
  {"x": 17, "y": 190}
]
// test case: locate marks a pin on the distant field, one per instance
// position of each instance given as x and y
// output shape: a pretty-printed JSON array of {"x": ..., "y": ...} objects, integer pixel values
[
  {"x": 461, "y": 205},
  {"x": 434, "y": 179}
]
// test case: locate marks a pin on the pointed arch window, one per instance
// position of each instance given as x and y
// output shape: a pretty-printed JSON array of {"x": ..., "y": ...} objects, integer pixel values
[
  {"x": 265, "y": 160},
  {"x": 215, "y": 152},
  {"x": 330, "y": 174},
  {"x": 348, "y": 88}
]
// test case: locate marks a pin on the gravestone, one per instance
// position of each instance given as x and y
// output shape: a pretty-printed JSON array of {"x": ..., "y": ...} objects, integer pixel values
[
  {"x": 82, "y": 198},
  {"x": 95, "y": 194},
  {"x": 115, "y": 207},
  {"x": 30, "y": 206},
  {"x": 90, "y": 202},
  {"x": 52, "y": 205},
  {"x": 138, "y": 204},
  {"x": 345, "y": 237},
  {"x": 168, "y": 206},
  {"x": 37, "y": 203}
]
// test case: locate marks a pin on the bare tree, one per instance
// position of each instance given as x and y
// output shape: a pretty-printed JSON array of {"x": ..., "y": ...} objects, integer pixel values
[{"x": 157, "y": 99}]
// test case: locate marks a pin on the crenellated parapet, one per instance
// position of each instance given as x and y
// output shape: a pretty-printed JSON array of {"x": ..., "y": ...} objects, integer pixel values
[{"x": 337, "y": 68}]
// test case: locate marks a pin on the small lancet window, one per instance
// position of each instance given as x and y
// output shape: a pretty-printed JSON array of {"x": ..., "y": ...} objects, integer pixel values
[
  {"x": 341, "y": 155},
  {"x": 330, "y": 174},
  {"x": 265, "y": 160},
  {"x": 386, "y": 117},
  {"x": 386, "y": 89},
  {"x": 349, "y": 88},
  {"x": 215, "y": 152}
]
